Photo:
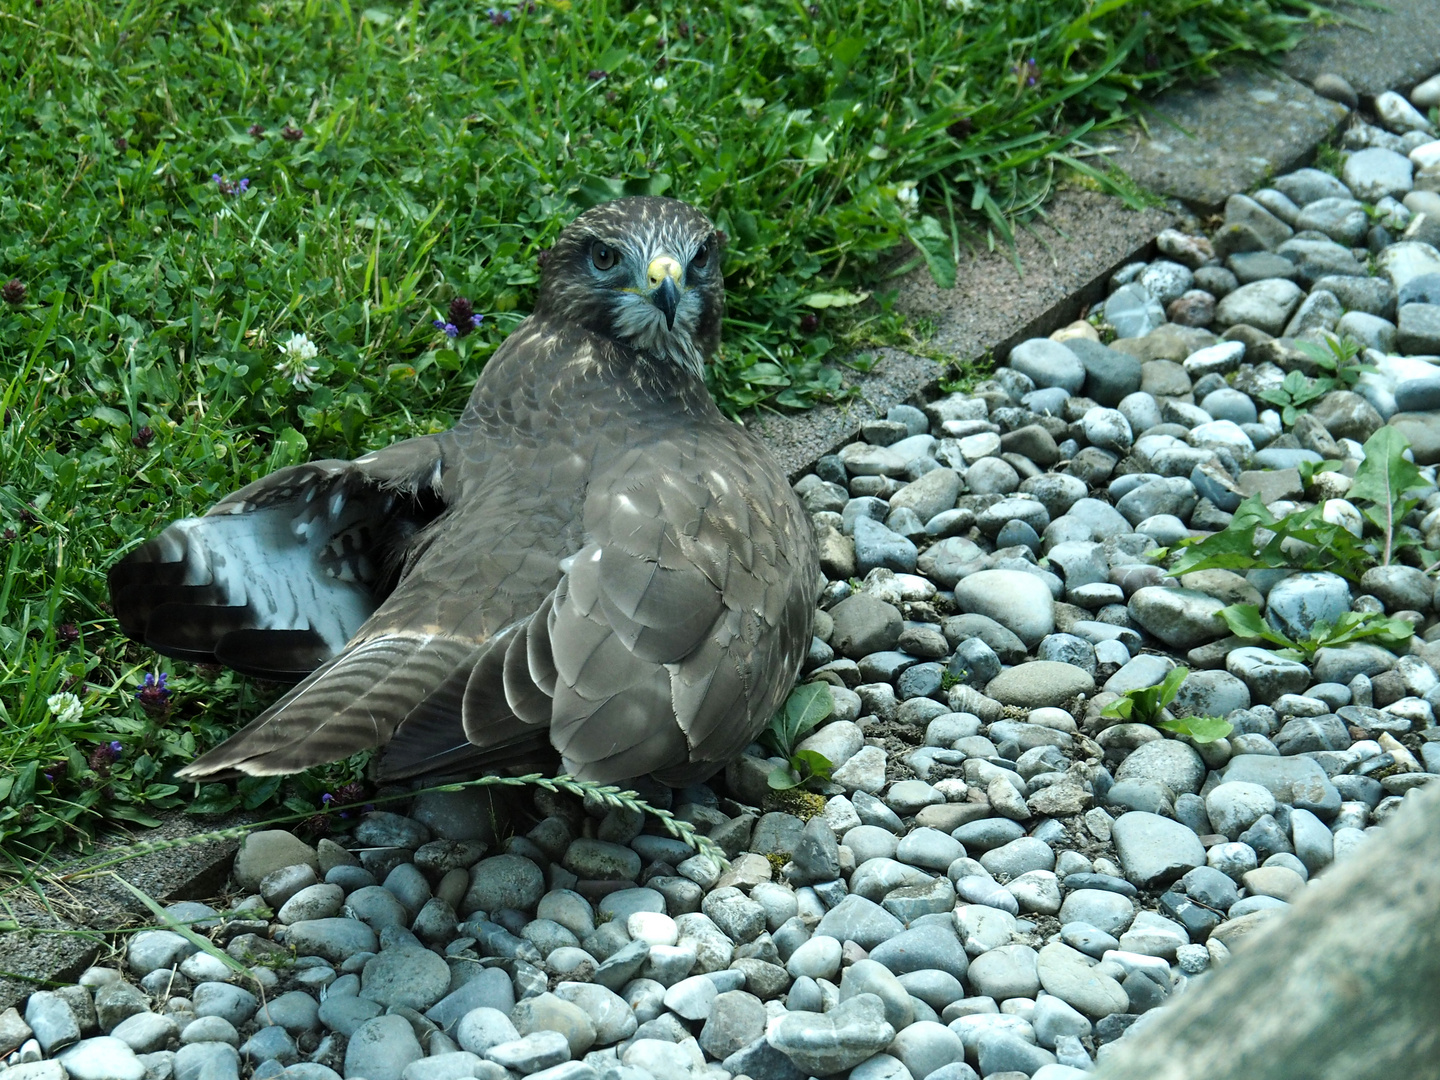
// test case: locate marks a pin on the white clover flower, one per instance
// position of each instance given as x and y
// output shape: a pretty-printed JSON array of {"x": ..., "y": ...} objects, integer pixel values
[
  {"x": 65, "y": 707},
  {"x": 295, "y": 365},
  {"x": 908, "y": 196},
  {"x": 658, "y": 83}
]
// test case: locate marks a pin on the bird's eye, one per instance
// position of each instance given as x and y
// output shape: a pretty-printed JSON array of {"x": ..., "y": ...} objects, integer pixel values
[
  {"x": 702, "y": 257},
  {"x": 604, "y": 257}
]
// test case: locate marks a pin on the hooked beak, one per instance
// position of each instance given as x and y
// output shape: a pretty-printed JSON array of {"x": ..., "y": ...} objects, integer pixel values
[{"x": 663, "y": 276}]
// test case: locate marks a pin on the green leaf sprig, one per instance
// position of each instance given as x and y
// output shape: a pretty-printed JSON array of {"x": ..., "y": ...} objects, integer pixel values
[
  {"x": 1146, "y": 705},
  {"x": 1245, "y": 621},
  {"x": 804, "y": 710}
]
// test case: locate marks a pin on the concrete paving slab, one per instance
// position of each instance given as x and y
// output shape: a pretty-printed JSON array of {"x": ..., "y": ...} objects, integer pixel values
[
  {"x": 1397, "y": 46},
  {"x": 61, "y": 929},
  {"x": 1207, "y": 142},
  {"x": 1064, "y": 263}
]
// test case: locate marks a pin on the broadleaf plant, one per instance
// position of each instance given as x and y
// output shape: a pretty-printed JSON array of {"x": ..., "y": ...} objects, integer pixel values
[
  {"x": 1384, "y": 478},
  {"x": 1305, "y": 540},
  {"x": 1245, "y": 621},
  {"x": 1335, "y": 359},
  {"x": 1256, "y": 539},
  {"x": 1146, "y": 705},
  {"x": 804, "y": 710},
  {"x": 1296, "y": 392},
  {"x": 804, "y": 766}
]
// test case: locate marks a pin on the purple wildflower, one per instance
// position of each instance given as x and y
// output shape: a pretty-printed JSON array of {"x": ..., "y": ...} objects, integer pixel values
[
  {"x": 498, "y": 17},
  {"x": 228, "y": 187},
  {"x": 352, "y": 792},
  {"x": 460, "y": 319},
  {"x": 463, "y": 317},
  {"x": 1026, "y": 74},
  {"x": 116, "y": 748},
  {"x": 327, "y": 799},
  {"x": 154, "y": 696},
  {"x": 596, "y": 74},
  {"x": 102, "y": 757}
]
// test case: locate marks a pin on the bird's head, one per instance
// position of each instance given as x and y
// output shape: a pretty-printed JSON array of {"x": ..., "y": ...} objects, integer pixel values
[{"x": 643, "y": 271}]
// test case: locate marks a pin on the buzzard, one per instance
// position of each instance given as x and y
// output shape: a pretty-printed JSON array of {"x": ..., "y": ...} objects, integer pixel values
[{"x": 593, "y": 559}]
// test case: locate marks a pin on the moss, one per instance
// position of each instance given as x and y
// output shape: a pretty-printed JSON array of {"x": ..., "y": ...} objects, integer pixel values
[{"x": 803, "y": 804}]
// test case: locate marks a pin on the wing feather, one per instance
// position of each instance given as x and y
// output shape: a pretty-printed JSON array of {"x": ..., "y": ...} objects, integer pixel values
[{"x": 673, "y": 633}]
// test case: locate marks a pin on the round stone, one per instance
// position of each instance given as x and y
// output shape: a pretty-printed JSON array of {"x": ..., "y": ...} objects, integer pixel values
[
  {"x": 1005, "y": 972},
  {"x": 1167, "y": 761},
  {"x": 1019, "y": 857},
  {"x": 321, "y": 901},
  {"x": 1373, "y": 173},
  {"x": 1228, "y": 404},
  {"x": 1048, "y": 363},
  {"x": 262, "y": 853},
  {"x": 1070, "y": 976},
  {"x": 1109, "y": 912},
  {"x": 384, "y": 1046},
  {"x": 818, "y": 958},
  {"x": 1233, "y": 860},
  {"x": 1297, "y": 603},
  {"x": 504, "y": 881},
  {"x": 1039, "y": 683},
  {"x": 101, "y": 1058},
  {"x": 1181, "y": 618},
  {"x": 1154, "y": 850},
  {"x": 1234, "y": 806},
  {"x": 836, "y": 1041},
  {"x": 409, "y": 977},
  {"x": 1266, "y": 305},
  {"x": 1019, "y": 601}
]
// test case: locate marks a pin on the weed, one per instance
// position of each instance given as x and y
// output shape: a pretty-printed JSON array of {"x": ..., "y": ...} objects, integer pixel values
[
  {"x": 804, "y": 710},
  {"x": 1298, "y": 390},
  {"x": 1307, "y": 540},
  {"x": 1245, "y": 620},
  {"x": 1147, "y": 706}
]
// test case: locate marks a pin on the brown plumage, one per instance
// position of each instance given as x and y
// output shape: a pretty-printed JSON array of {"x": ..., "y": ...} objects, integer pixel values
[{"x": 593, "y": 559}]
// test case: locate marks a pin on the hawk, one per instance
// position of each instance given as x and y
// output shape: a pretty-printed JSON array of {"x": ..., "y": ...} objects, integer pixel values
[{"x": 593, "y": 559}]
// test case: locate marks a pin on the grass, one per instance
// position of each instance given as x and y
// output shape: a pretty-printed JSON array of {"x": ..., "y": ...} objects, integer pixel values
[{"x": 399, "y": 156}]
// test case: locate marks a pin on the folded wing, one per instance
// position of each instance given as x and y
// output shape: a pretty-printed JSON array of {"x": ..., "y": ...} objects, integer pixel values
[{"x": 677, "y": 627}]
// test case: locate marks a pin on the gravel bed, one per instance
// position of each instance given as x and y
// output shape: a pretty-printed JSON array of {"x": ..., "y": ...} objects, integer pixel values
[{"x": 999, "y": 881}]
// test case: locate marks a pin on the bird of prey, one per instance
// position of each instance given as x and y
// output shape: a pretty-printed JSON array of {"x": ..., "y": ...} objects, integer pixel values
[{"x": 593, "y": 559}]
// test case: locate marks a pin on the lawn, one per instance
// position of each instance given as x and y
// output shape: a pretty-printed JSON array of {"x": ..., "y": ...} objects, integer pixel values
[{"x": 183, "y": 187}]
